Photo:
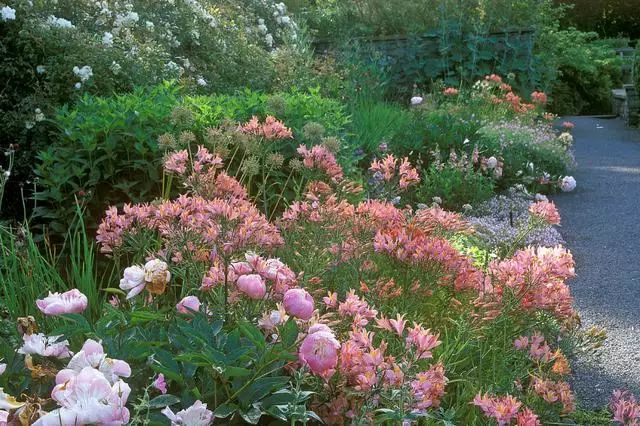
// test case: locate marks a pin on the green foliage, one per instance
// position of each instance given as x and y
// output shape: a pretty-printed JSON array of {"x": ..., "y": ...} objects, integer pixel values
[
  {"x": 587, "y": 70},
  {"x": 30, "y": 269},
  {"x": 107, "y": 150},
  {"x": 376, "y": 122},
  {"x": 455, "y": 187},
  {"x": 210, "y": 46}
]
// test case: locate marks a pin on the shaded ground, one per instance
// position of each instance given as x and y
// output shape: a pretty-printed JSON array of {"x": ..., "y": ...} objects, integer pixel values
[{"x": 601, "y": 224}]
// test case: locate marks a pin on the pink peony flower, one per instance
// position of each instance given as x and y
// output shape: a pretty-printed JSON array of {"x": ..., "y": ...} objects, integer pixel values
[
  {"x": 160, "y": 384},
  {"x": 69, "y": 302},
  {"x": 319, "y": 350},
  {"x": 196, "y": 415},
  {"x": 450, "y": 91},
  {"x": 39, "y": 344},
  {"x": 299, "y": 303},
  {"x": 188, "y": 304},
  {"x": 252, "y": 285},
  {"x": 92, "y": 355},
  {"x": 88, "y": 398},
  {"x": 133, "y": 281}
]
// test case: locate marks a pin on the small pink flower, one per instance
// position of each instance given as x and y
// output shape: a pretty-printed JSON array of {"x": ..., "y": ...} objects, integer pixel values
[
  {"x": 160, "y": 384},
  {"x": 299, "y": 303},
  {"x": 188, "y": 304},
  {"x": 521, "y": 342},
  {"x": 252, "y": 285},
  {"x": 4, "y": 417},
  {"x": 319, "y": 350},
  {"x": 70, "y": 302}
]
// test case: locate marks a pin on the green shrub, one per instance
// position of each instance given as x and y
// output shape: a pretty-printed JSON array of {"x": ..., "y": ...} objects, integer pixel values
[
  {"x": 211, "y": 46},
  {"x": 455, "y": 187},
  {"x": 527, "y": 152},
  {"x": 107, "y": 151},
  {"x": 587, "y": 70}
]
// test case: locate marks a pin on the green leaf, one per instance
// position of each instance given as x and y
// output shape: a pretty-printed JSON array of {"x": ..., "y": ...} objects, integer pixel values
[
  {"x": 162, "y": 401},
  {"x": 225, "y": 410}
]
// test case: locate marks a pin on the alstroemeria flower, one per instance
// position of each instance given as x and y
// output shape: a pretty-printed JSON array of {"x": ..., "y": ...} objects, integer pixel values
[
  {"x": 69, "y": 302},
  {"x": 88, "y": 398},
  {"x": 196, "y": 415},
  {"x": 39, "y": 344},
  {"x": 92, "y": 355}
]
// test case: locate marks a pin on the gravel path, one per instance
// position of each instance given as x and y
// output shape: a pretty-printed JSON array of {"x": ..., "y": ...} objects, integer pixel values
[{"x": 601, "y": 225}]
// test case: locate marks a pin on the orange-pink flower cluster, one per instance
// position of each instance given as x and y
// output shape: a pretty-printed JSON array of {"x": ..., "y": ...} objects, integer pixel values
[
  {"x": 271, "y": 129},
  {"x": 388, "y": 168},
  {"x": 536, "y": 278},
  {"x": 552, "y": 392},
  {"x": 319, "y": 157},
  {"x": 504, "y": 409},
  {"x": 192, "y": 223},
  {"x": 545, "y": 211},
  {"x": 625, "y": 409}
]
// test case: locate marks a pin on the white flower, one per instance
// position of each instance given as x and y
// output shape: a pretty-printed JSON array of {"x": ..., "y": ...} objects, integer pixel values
[
  {"x": 78, "y": 85},
  {"x": 567, "y": 184},
  {"x": 41, "y": 69},
  {"x": 174, "y": 68},
  {"x": 3, "y": 368},
  {"x": 115, "y": 68},
  {"x": 39, "y": 344},
  {"x": 260, "y": 21},
  {"x": 133, "y": 280},
  {"x": 437, "y": 200},
  {"x": 149, "y": 25},
  {"x": 107, "y": 39},
  {"x": 29, "y": 124},
  {"x": 54, "y": 22},
  {"x": 541, "y": 197},
  {"x": 7, "y": 173},
  {"x": 467, "y": 207},
  {"x": 492, "y": 162},
  {"x": 285, "y": 20},
  {"x": 263, "y": 28},
  {"x": 85, "y": 73},
  {"x": 416, "y": 100},
  {"x": 201, "y": 82},
  {"x": 39, "y": 115},
  {"x": 8, "y": 13},
  {"x": 128, "y": 19},
  {"x": 269, "y": 40},
  {"x": 196, "y": 415}
]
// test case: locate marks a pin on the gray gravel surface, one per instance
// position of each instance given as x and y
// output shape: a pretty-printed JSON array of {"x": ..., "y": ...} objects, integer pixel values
[{"x": 601, "y": 225}]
